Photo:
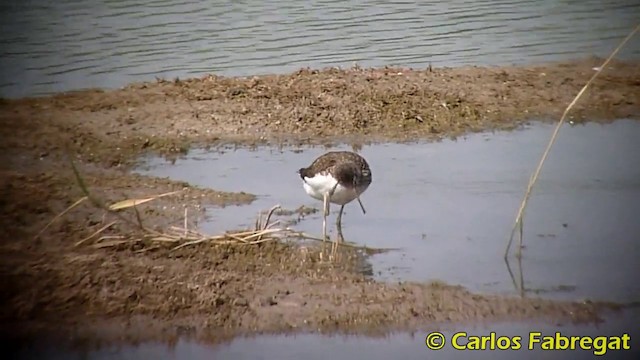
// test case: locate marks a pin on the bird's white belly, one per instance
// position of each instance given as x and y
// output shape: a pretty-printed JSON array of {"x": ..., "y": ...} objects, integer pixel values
[{"x": 318, "y": 185}]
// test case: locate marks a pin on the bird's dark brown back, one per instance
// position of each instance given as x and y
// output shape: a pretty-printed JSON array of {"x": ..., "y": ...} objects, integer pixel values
[{"x": 349, "y": 168}]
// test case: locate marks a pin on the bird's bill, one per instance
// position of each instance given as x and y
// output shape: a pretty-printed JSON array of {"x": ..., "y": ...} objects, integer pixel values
[{"x": 361, "y": 206}]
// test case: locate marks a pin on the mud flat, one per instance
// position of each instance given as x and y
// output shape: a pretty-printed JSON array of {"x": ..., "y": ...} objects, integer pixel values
[{"x": 137, "y": 292}]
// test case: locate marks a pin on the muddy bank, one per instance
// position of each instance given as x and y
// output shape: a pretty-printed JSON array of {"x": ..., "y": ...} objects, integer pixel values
[
  {"x": 51, "y": 282},
  {"x": 314, "y": 106}
]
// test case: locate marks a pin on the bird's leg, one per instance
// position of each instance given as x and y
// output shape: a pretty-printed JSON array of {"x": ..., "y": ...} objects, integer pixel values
[
  {"x": 339, "y": 224},
  {"x": 331, "y": 192},
  {"x": 325, "y": 213}
]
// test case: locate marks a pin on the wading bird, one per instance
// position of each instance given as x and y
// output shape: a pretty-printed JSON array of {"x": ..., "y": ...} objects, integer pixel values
[{"x": 336, "y": 177}]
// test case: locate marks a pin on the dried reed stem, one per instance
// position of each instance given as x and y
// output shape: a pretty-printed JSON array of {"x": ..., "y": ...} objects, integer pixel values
[
  {"x": 269, "y": 215},
  {"x": 60, "y": 215},
  {"x": 518, "y": 221},
  {"x": 186, "y": 230},
  {"x": 96, "y": 233}
]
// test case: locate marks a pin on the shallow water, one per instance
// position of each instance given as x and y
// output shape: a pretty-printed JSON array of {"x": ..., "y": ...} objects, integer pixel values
[
  {"x": 449, "y": 206},
  {"x": 401, "y": 345},
  {"x": 49, "y": 46}
]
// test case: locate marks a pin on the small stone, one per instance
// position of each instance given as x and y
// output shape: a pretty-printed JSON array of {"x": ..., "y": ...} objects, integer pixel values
[
  {"x": 240, "y": 302},
  {"x": 268, "y": 301}
]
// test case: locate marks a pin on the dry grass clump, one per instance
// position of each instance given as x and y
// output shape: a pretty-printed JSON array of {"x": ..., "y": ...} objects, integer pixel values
[{"x": 176, "y": 237}]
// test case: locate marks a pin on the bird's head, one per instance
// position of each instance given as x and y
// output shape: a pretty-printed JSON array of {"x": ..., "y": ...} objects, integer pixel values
[{"x": 302, "y": 172}]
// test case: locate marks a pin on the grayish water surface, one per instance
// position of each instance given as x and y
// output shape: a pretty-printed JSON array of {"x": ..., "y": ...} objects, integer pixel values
[
  {"x": 449, "y": 206},
  {"x": 50, "y": 46}
]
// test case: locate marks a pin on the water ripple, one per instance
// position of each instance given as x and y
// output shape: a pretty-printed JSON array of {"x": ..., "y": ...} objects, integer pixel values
[{"x": 68, "y": 44}]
